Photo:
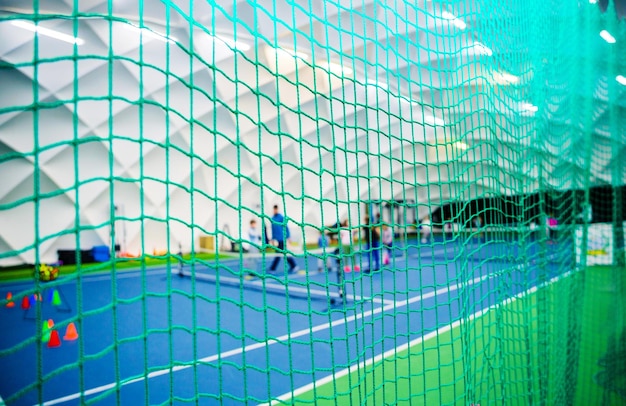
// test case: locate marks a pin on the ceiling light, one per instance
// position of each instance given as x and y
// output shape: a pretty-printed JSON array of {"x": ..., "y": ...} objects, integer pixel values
[
  {"x": 435, "y": 121},
  {"x": 27, "y": 25},
  {"x": 292, "y": 53},
  {"x": 593, "y": 1},
  {"x": 504, "y": 78},
  {"x": 621, "y": 80},
  {"x": 460, "y": 24},
  {"x": 376, "y": 83},
  {"x": 478, "y": 48},
  {"x": 461, "y": 145},
  {"x": 338, "y": 69},
  {"x": 527, "y": 109},
  {"x": 152, "y": 34},
  {"x": 607, "y": 36},
  {"x": 232, "y": 43}
]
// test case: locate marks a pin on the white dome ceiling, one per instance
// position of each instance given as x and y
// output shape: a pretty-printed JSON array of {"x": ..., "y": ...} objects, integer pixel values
[{"x": 209, "y": 115}]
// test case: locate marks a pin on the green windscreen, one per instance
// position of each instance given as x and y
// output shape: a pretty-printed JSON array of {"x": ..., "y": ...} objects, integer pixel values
[{"x": 312, "y": 202}]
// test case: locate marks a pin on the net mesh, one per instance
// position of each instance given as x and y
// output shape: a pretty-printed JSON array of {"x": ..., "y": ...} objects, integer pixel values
[{"x": 437, "y": 189}]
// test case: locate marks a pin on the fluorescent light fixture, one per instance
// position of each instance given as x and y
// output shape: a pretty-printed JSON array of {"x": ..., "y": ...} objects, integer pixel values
[
  {"x": 292, "y": 53},
  {"x": 527, "y": 108},
  {"x": 234, "y": 44},
  {"x": 376, "y": 83},
  {"x": 27, "y": 25},
  {"x": 593, "y": 1},
  {"x": 478, "y": 48},
  {"x": 338, "y": 69},
  {"x": 621, "y": 80},
  {"x": 461, "y": 145},
  {"x": 607, "y": 36},
  {"x": 152, "y": 34},
  {"x": 460, "y": 24},
  {"x": 504, "y": 78},
  {"x": 432, "y": 120}
]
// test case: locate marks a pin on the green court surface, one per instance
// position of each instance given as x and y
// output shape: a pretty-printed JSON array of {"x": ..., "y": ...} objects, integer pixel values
[{"x": 440, "y": 370}]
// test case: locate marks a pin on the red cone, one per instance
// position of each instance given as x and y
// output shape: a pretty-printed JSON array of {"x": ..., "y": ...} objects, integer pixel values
[
  {"x": 55, "y": 341},
  {"x": 25, "y": 303}
]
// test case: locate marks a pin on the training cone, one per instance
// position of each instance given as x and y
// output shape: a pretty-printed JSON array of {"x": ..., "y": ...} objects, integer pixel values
[
  {"x": 55, "y": 341},
  {"x": 10, "y": 300},
  {"x": 56, "y": 298},
  {"x": 45, "y": 332},
  {"x": 25, "y": 303},
  {"x": 70, "y": 333}
]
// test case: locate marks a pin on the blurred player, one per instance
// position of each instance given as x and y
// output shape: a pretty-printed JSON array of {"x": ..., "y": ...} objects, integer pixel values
[{"x": 426, "y": 229}]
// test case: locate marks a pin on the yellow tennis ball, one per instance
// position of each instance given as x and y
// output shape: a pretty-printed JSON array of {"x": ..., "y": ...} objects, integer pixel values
[{"x": 47, "y": 273}]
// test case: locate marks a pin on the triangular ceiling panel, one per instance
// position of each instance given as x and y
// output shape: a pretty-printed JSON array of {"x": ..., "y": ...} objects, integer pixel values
[
  {"x": 17, "y": 83},
  {"x": 20, "y": 169},
  {"x": 174, "y": 97},
  {"x": 58, "y": 125},
  {"x": 21, "y": 46},
  {"x": 145, "y": 122},
  {"x": 29, "y": 187}
]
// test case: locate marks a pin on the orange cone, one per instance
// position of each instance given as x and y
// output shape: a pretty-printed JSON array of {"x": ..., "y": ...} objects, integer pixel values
[
  {"x": 70, "y": 333},
  {"x": 55, "y": 341},
  {"x": 50, "y": 323},
  {"x": 25, "y": 303},
  {"x": 10, "y": 300}
]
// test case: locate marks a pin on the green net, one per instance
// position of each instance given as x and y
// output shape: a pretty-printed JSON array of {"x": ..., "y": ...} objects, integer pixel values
[{"x": 322, "y": 202}]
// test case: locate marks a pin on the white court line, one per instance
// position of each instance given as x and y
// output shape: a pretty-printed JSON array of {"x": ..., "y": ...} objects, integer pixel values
[
  {"x": 355, "y": 367},
  {"x": 281, "y": 339}
]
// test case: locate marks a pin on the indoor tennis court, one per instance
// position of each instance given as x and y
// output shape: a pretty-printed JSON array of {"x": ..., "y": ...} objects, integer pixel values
[
  {"x": 342, "y": 202},
  {"x": 250, "y": 363}
]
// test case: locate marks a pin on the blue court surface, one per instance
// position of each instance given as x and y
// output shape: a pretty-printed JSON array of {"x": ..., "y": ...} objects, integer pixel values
[{"x": 148, "y": 336}]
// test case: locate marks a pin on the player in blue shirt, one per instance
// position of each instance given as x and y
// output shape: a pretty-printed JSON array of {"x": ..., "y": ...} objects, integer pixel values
[{"x": 280, "y": 236}]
